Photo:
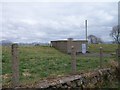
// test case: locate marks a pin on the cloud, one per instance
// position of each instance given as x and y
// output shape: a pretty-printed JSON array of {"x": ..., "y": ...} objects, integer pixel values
[{"x": 43, "y": 22}]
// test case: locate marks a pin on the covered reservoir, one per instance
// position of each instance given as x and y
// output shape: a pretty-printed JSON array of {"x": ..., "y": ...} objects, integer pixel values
[{"x": 65, "y": 45}]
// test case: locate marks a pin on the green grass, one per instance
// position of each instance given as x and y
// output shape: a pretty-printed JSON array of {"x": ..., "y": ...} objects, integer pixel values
[
  {"x": 42, "y": 62},
  {"x": 107, "y": 48}
]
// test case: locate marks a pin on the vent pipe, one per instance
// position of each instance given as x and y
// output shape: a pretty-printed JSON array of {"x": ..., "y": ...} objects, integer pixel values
[{"x": 86, "y": 29}]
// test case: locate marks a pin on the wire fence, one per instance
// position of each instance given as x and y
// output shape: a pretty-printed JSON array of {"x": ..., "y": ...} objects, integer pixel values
[{"x": 45, "y": 62}]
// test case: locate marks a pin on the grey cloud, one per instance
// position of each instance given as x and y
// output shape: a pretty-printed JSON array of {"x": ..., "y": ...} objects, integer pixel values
[{"x": 29, "y": 22}]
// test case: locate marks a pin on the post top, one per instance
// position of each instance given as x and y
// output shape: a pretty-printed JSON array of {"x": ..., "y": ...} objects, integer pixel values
[
  {"x": 72, "y": 47},
  {"x": 14, "y": 45}
]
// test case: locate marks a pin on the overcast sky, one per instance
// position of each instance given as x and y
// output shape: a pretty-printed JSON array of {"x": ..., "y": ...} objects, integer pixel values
[{"x": 46, "y": 21}]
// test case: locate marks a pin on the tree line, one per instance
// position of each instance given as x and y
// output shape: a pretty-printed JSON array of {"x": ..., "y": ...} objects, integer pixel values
[{"x": 114, "y": 34}]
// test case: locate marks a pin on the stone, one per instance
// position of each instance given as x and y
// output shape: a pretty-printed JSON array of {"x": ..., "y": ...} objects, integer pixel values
[{"x": 68, "y": 83}]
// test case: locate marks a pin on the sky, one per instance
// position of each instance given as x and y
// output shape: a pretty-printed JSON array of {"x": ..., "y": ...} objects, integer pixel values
[{"x": 47, "y": 21}]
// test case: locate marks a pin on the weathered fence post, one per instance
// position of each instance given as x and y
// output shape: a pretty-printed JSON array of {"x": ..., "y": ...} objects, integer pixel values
[
  {"x": 101, "y": 57},
  {"x": 117, "y": 55},
  {"x": 73, "y": 61},
  {"x": 15, "y": 66}
]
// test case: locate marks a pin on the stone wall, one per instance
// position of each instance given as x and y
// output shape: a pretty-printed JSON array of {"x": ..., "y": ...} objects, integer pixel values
[{"x": 92, "y": 79}]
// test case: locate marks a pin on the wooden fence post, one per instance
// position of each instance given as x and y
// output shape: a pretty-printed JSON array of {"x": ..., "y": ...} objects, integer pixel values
[
  {"x": 101, "y": 57},
  {"x": 15, "y": 66},
  {"x": 73, "y": 61},
  {"x": 117, "y": 55}
]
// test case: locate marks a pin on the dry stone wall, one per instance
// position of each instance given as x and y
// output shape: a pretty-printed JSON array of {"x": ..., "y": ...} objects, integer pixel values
[
  {"x": 92, "y": 79},
  {"x": 84, "y": 81}
]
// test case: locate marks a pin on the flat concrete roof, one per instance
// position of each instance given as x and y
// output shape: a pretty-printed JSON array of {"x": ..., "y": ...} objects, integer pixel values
[{"x": 67, "y": 40}]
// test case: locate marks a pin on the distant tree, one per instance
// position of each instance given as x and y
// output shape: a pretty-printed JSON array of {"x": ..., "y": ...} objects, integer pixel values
[
  {"x": 99, "y": 40},
  {"x": 94, "y": 40},
  {"x": 91, "y": 38},
  {"x": 115, "y": 34},
  {"x": 37, "y": 44}
]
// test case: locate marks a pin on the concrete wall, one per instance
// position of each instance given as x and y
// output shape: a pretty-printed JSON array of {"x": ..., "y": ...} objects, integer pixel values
[
  {"x": 65, "y": 45},
  {"x": 60, "y": 45},
  {"x": 78, "y": 45}
]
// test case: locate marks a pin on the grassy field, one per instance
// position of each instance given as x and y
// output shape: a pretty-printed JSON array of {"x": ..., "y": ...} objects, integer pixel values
[
  {"x": 107, "y": 48},
  {"x": 39, "y": 62}
]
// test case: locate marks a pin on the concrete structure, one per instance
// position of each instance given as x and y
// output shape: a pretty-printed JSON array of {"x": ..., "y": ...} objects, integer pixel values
[{"x": 65, "y": 45}]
